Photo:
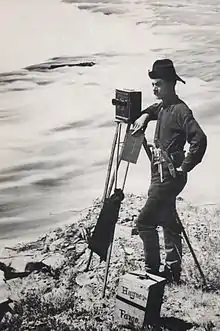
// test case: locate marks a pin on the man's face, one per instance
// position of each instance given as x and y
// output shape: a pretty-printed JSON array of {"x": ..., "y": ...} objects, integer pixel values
[{"x": 161, "y": 88}]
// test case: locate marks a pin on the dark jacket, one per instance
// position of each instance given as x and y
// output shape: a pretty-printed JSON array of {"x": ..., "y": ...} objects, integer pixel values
[{"x": 176, "y": 125}]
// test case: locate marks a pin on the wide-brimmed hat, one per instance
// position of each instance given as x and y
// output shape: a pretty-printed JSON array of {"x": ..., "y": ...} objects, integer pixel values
[{"x": 164, "y": 69}]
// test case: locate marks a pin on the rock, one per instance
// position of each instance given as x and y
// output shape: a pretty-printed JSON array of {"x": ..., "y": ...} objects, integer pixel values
[
  {"x": 128, "y": 250},
  {"x": 80, "y": 248},
  {"x": 55, "y": 261},
  {"x": 5, "y": 301},
  {"x": 84, "y": 293},
  {"x": 5, "y": 308},
  {"x": 71, "y": 248},
  {"x": 10, "y": 273},
  {"x": 59, "y": 63},
  {"x": 19, "y": 262},
  {"x": 84, "y": 278},
  {"x": 38, "y": 266},
  {"x": 55, "y": 245},
  {"x": 3, "y": 288}
]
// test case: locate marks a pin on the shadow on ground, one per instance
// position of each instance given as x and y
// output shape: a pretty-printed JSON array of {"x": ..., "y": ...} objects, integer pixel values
[{"x": 174, "y": 324}]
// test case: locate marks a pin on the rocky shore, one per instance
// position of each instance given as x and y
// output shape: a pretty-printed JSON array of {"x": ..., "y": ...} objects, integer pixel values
[{"x": 53, "y": 291}]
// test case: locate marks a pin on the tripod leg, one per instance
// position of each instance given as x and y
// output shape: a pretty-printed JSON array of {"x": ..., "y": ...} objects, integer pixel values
[
  {"x": 107, "y": 265},
  {"x": 119, "y": 161},
  {"x": 117, "y": 155},
  {"x": 89, "y": 261},
  {"x": 111, "y": 161},
  {"x": 111, "y": 244},
  {"x": 125, "y": 177},
  {"x": 108, "y": 194},
  {"x": 192, "y": 252}
]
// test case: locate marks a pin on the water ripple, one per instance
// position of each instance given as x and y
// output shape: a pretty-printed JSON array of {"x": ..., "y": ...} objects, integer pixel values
[{"x": 73, "y": 125}]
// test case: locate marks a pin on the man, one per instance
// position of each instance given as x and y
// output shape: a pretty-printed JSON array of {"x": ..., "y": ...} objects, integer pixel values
[{"x": 176, "y": 125}]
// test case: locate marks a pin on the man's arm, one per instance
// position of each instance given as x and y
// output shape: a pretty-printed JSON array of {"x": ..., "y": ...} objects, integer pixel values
[
  {"x": 147, "y": 115},
  {"x": 152, "y": 111},
  {"x": 194, "y": 136}
]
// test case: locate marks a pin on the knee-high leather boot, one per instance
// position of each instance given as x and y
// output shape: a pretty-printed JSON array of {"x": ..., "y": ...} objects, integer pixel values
[
  {"x": 150, "y": 240},
  {"x": 173, "y": 247}
]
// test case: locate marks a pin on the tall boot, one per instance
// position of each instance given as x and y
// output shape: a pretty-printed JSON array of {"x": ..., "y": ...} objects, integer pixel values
[
  {"x": 173, "y": 248},
  {"x": 150, "y": 240}
]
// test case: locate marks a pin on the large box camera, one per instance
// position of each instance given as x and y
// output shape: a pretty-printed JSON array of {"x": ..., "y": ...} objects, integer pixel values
[{"x": 127, "y": 105}]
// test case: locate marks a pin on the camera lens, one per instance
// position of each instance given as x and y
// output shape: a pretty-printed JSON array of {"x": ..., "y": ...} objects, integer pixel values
[{"x": 118, "y": 102}]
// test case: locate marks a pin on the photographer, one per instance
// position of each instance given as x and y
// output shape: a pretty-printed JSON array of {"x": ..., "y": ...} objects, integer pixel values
[{"x": 176, "y": 125}]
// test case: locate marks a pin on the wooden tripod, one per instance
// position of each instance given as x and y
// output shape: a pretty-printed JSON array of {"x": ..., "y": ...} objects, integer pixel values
[{"x": 116, "y": 153}]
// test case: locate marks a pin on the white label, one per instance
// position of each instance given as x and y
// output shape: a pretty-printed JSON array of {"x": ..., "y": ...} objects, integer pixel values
[{"x": 128, "y": 315}]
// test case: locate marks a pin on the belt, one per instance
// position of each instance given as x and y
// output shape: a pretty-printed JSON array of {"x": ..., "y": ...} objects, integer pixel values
[{"x": 159, "y": 156}]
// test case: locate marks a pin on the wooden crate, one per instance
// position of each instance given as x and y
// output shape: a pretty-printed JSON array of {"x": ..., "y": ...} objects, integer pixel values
[{"x": 139, "y": 299}]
